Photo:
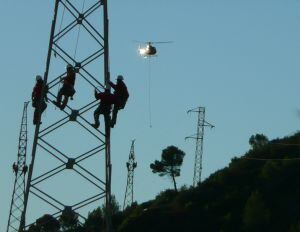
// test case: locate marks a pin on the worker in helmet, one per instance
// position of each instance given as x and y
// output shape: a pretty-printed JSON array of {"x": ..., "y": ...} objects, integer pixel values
[
  {"x": 36, "y": 98},
  {"x": 67, "y": 89},
  {"x": 121, "y": 96},
  {"x": 106, "y": 102}
]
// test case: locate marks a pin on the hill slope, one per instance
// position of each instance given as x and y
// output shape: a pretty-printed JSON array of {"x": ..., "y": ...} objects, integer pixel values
[{"x": 256, "y": 192}]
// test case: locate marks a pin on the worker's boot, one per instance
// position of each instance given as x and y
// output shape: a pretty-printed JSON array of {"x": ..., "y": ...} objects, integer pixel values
[
  {"x": 95, "y": 125},
  {"x": 62, "y": 107},
  {"x": 96, "y": 120},
  {"x": 56, "y": 103}
]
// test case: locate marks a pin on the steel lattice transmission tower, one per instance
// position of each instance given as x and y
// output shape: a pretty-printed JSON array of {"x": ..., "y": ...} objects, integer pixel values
[
  {"x": 199, "y": 142},
  {"x": 70, "y": 169},
  {"x": 131, "y": 165},
  {"x": 20, "y": 169}
]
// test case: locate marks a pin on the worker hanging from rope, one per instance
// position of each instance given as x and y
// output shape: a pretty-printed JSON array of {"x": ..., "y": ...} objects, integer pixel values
[
  {"x": 106, "y": 101},
  {"x": 121, "y": 96},
  {"x": 67, "y": 89},
  {"x": 36, "y": 98}
]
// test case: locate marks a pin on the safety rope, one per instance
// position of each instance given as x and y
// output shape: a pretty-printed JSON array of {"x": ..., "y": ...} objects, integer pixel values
[
  {"x": 77, "y": 38},
  {"x": 60, "y": 26},
  {"x": 59, "y": 31},
  {"x": 78, "y": 34},
  {"x": 76, "y": 46}
]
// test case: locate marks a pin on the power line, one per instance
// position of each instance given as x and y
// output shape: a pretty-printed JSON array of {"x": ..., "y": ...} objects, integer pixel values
[
  {"x": 285, "y": 144},
  {"x": 270, "y": 159}
]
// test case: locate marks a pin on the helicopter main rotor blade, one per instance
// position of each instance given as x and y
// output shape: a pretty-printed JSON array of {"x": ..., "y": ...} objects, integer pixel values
[
  {"x": 152, "y": 42},
  {"x": 161, "y": 42}
]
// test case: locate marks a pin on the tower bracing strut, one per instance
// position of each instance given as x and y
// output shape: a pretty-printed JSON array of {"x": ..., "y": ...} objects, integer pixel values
[
  {"x": 199, "y": 136},
  {"x": 131, "y": 165},
  {"x": 70, "y": 168},
  {"x": 20, "y": 170}
]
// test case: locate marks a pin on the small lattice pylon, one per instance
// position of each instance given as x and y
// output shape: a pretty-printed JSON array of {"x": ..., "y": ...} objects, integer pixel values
[
  {"x": 131, "y": 165},
  {"x": 20, "y": 170}
]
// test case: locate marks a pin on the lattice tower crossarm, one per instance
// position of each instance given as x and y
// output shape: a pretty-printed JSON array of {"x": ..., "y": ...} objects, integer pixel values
[
  {"x": 131, "y": 165},
  {"x": 17, "y": 200},
  {"x": 91, "y": 64},
  {"x": 199, "y": 137}
]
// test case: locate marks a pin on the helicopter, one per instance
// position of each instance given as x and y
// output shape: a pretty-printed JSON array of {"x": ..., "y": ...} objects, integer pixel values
[{"x": 148, "y": 50}]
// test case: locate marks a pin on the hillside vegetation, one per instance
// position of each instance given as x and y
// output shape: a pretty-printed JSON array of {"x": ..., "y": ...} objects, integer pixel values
[{"x": 257, "y": 192}]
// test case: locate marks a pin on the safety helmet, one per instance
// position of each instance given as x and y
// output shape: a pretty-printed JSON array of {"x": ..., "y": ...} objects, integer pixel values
[
  {"x": 69, "y": 66},
  {"x": 38, "y": 78},
  {"x": 120, "y": 77}
]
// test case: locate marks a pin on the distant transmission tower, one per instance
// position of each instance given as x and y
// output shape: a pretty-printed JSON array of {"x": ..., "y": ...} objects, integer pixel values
[
  {"x": 199, "y": 142},
  {"x": 131, "y": 165},
  {"x": 20, "y": 169}
]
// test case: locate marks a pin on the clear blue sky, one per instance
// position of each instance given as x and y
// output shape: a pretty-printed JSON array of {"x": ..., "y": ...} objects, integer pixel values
[{"x": 239, "y": 59}]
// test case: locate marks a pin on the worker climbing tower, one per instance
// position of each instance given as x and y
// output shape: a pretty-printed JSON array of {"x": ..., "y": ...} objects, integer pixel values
[
  {"x": 131, "y": 165},
  {"x": 199, "y": 142},
  {"x": 70, "y": 168},
  {"x": 20, "y": 170}
]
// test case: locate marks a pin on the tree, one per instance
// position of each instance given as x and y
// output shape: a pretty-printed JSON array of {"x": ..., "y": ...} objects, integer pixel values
[
  {"x": 114, "y": 206},
  {"x": 170, "y": 164},
  {"x": 69, "y": 221},
  {"x": 47, "y": 223},
  {"x": 295, "y": 228},
  {"x": 95, "y": 221},
  {"x": 256, "y": 215},
  {"x": 258, "y": 140}
]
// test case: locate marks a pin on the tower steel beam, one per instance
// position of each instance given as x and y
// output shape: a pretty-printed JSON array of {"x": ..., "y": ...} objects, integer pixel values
[
  {"x": 131, "y": 165},
  {"x": 90, "y": 58},
  {"x": 20, "y": 169},
  {"x": 199, "y": 136}
]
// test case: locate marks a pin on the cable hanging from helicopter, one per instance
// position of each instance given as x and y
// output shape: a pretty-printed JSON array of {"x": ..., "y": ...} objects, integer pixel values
[{"x": 148, "y": 51}]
